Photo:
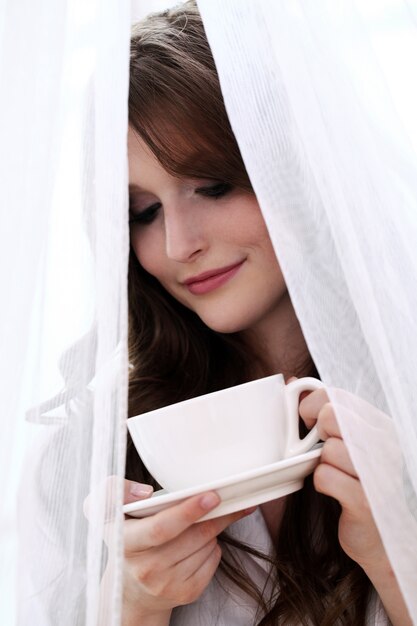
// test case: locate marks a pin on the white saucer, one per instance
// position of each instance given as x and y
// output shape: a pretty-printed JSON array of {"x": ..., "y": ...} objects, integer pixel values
[{"x": 240, "y": 491}]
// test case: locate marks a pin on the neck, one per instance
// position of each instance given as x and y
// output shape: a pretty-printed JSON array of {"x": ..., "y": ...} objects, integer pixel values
[{"x": 279, "y": 342}]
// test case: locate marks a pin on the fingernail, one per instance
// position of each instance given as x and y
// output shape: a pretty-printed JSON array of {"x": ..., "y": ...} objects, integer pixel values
[
  {"x": 140, "y": 491},
  {"x": 209, "y": 501}
]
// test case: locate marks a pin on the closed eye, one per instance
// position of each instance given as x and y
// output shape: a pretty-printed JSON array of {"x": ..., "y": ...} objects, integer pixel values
[
  {"x": 146, "y": 216},
  {"x": 215, "y": 191}
]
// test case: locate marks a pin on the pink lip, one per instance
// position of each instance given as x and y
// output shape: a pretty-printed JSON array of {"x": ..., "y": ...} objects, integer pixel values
[{"x": 207, "y": 281}]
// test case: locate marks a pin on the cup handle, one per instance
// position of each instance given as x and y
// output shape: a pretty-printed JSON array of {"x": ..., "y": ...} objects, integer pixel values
[{"x": 295, "y": 445}]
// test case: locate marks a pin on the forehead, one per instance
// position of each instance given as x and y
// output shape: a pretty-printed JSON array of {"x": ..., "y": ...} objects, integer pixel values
[
  {"x": 143, "y": 165},
  {"x": 137, "y": 149}
]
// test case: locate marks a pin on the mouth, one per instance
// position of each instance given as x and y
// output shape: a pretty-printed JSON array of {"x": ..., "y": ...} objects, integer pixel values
[{"x": 212, "y": 279}]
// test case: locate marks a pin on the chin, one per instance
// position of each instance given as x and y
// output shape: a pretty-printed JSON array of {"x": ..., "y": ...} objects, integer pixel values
[{"x": 225, "y": 325}]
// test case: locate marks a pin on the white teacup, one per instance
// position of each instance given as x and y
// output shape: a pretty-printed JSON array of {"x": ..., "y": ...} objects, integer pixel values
[{"x": 223, "y": 433}]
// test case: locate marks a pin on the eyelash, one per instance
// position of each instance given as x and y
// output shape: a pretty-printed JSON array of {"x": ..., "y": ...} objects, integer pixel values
[
  {"x": 148, "y": 215},
  {"x": 215, "y": 191}
]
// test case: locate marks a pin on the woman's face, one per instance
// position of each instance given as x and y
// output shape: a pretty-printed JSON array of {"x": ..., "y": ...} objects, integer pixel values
[{"x": 205, "y": 242}]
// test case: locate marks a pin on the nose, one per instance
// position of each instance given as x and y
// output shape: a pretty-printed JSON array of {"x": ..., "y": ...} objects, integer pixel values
[{"x": 185, "y": 239}]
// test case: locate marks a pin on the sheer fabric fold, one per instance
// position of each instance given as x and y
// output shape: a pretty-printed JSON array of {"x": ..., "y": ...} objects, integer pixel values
[
  {"x": 63, "y": 362},
  {"x": 321, "y": 98}
]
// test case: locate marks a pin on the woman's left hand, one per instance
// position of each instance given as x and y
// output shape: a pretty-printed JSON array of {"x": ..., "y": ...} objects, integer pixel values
[{"x": 335, "y": 476}]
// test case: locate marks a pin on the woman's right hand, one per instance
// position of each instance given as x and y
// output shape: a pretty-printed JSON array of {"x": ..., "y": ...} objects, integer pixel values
[{"x": 170, "y": 558}]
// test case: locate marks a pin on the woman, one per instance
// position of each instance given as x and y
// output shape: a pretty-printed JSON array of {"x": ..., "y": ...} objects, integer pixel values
[{"x": 209, "y": 309}]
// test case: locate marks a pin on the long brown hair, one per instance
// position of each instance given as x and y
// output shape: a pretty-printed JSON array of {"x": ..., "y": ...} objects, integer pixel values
[{"x": 176, "y": 106}]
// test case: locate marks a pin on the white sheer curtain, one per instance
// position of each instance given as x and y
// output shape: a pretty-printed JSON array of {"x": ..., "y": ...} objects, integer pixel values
[
  {"x": 322, "y": 99},
  {"x": 142, "y": 8},
  {"x": 64, "y": 249}
]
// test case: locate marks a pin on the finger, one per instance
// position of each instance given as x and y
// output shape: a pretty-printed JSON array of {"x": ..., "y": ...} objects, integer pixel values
[
  {"x": 335, "y": 483},
  {"x": 180, "y": 557},
  {"x": 310, "y": 406},
  {"x": 219, "y": 524},
  {"x": 303, "y": 394},
  {"x": 168, "y": 524},
  {"x": 187, "y": 567},
  {"x": 152, "y": 569},
  {"x": 327, "y": 424},
  {"x": 181, "y": 546},
  {"x": 134, "y": 491},
  {"x": 206, "y": 570},
  {"x": 202, "y": 533},
  {"x": 335, "y": 453}
]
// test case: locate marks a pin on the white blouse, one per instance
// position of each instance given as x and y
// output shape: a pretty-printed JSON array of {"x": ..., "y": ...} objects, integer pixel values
[{"x": 222, "y": 606}]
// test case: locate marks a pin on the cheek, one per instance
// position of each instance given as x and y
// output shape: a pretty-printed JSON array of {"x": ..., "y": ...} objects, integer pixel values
[
  {"x": 268, "y": 249},
  {"x": 246, "y": 215},
  {"x": 252, "y": 230},
  {"x": 259, "y": 240},
  {"x": 149, "y": 251},
  {"x": 261, "y": 235}
]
